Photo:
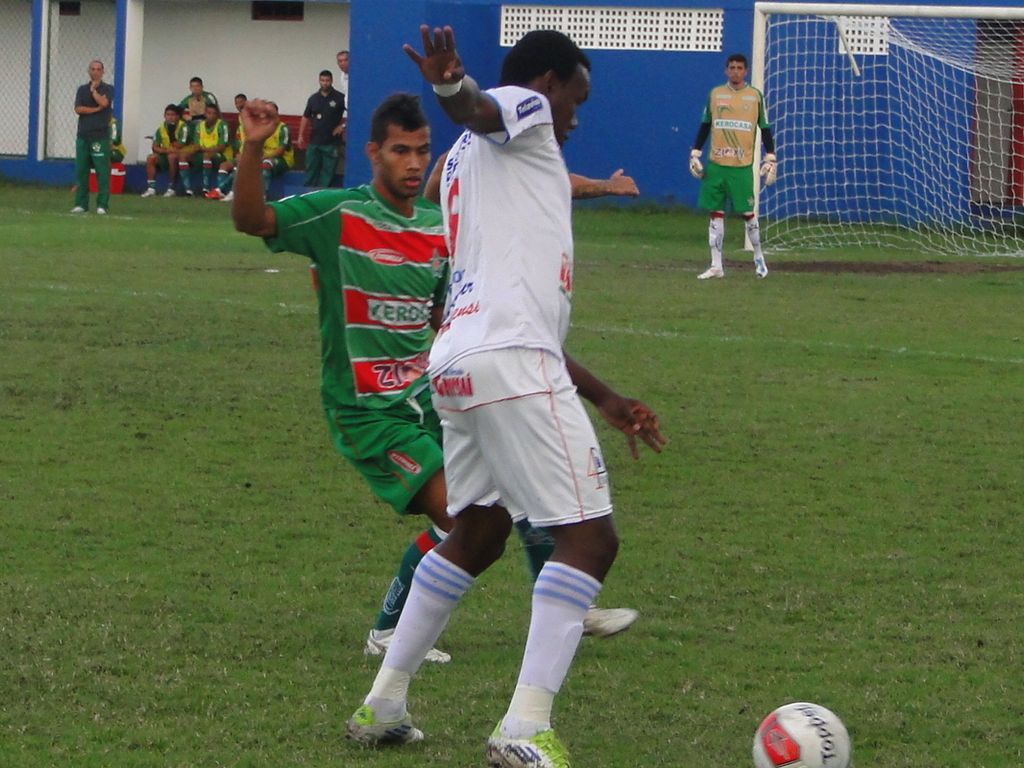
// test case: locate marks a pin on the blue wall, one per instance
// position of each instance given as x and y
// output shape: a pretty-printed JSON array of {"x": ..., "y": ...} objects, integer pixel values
[{"x": 642, "y": 114}]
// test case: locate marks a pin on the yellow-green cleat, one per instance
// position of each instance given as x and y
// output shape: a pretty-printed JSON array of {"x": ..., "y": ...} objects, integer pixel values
[
  {"x": 541, "y": 751},
  {"x": 364, "y": 727}
]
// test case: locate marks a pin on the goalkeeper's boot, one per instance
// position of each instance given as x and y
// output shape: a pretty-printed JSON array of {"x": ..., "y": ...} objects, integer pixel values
[
  {"x": 378, "y": 641},
  {"x": 760, "y": 268},
  {"x": 364, "y": 727},
  {"x": 711, "y": 273},
  {"x": 543, "y": 750},
  {"x": 605, "y": 622}
]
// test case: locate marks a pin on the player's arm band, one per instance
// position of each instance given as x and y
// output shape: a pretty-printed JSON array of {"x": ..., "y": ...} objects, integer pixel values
[
  {"x": 702, "y": 135},
  {"x": 768, "y": 140}
]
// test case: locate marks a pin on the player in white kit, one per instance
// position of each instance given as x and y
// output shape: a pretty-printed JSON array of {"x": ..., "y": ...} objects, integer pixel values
[{"x": 517, "y": 440}]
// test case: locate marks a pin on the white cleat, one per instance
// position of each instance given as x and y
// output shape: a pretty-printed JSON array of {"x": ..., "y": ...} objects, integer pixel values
[
  {"x": 364, "y": 727},
  {"x": 379, "y": 639},
  {"x": 228, "y": 197},
  {"x": 101, "y": 211},
  {"x": 170, "y": 192},
  {"x": 605, "y": 622},
  {"x": 150, "y": 192},
  {"x": 711, "y": 273},
  {"x": 760, "y": 268},
  {"x": 78, "y": 209}
]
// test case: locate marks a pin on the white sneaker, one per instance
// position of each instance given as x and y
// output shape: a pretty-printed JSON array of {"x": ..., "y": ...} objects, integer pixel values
[
  {"x": 78, "y": 209},
  {"x": 605, "y": 622},
  {"x": 760, "y": 268},
  {"x": 228, "y": 197},
  {"x": 365, "y": 728},
  {"x": 711, "y": 273},
  {"x": 101, "y": 211},
  {"x": 170, "y": 192},
  {"x": 150, "y": 192},
  {"x": 378, "y": 640}
]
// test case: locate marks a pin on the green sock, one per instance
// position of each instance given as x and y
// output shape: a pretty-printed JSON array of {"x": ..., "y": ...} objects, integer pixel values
[
  {"x": 394, "y": 600},
  {"x": 538, "y": 545}
]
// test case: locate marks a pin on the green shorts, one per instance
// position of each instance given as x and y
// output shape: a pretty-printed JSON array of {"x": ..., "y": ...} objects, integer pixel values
[
  {"x": 396, "y": 450},
  {"x": 162, "y": 163},
  {"x": 722, "y": 183}
]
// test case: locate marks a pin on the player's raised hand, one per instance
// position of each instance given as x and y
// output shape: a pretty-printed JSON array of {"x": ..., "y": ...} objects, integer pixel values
[
  {"x": 259, "y": 119},
  {"x": 440, "y": 63}
]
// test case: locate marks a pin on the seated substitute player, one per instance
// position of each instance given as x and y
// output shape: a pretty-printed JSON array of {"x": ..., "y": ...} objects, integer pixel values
[
  {"x": 278, "y": 154},
  {"x": 207, "y": 150},
  {"x": 164, "y": 156},
  {"x": 732, "y": 115},
  {"x": 517, "y": 439},
  {"x": 226, "y": 172},
  {"x": 197, "y": 100},
  {"x": 117, "y": 148}
]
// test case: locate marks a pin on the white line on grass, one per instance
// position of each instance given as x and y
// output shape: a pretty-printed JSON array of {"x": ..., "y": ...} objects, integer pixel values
[
  {"x": 629, "y": 331},
  {"x": 623, "y": 330}
]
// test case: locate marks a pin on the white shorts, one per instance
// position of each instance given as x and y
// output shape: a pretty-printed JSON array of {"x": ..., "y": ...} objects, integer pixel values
[{"x": 517, "y": 434}]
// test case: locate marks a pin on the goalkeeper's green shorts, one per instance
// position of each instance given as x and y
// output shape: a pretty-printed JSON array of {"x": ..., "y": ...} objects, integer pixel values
[
  {"x": 396, "y": 449},
  {"x": 725, "y": 183}
]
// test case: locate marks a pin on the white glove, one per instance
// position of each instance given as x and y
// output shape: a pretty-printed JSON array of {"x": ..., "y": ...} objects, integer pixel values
[
  {"x": 696, "y": 168},
  {"x": 768, "y": 169}
]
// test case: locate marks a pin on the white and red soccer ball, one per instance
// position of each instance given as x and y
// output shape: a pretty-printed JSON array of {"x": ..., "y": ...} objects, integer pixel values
[{"x": 802, "y": 735}]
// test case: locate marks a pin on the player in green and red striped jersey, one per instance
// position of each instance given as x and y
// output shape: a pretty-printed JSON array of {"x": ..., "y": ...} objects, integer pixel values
[{"x": 380, "y": 272}]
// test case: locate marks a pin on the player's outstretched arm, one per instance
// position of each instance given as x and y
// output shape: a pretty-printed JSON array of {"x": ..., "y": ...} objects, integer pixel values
[
  {"x": 631, "y": 417},
  {"x": 618, "y": 184},
  {"x": 457, "y": 93},
  {"x": 249, "y": 210}
]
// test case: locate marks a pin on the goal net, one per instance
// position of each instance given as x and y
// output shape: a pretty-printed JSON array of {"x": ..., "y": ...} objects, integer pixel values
[{"x": 896, "y": 126}]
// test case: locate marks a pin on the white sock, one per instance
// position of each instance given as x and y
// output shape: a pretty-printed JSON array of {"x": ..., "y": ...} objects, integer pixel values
[
  {"x": 754, "y": 235},
  {"x": 716, "y": 234},
  {"x": 561, "y": 596},
  {"x": 436, "y": 588}
]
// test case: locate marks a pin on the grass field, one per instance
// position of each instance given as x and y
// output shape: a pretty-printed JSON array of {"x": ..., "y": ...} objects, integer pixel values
[{"x": 188, "y": 571}]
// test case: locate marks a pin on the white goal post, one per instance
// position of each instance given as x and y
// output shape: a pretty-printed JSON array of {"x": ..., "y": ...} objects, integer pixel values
[{"x": 895, "y": 125}]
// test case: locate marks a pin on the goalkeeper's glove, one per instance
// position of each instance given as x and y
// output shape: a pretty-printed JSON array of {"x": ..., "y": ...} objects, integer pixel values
[
  {"x": 768, "y": 169},
  {"x": 696, "y": 168}
]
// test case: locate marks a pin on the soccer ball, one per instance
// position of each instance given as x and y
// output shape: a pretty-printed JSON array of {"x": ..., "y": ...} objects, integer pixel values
[{"x": 802, "y": 735}]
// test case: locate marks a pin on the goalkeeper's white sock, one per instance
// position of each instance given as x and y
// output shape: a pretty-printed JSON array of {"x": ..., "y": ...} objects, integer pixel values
[
  {"x": 754, "y": 235},
  {"x": 716, "y": 233}
]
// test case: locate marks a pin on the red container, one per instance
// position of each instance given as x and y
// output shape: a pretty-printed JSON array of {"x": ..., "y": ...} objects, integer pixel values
[{"x": 116, "y": 179}]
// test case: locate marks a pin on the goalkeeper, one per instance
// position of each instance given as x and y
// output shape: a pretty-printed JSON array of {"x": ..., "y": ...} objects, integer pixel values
[{"x": 732, "y": 115}]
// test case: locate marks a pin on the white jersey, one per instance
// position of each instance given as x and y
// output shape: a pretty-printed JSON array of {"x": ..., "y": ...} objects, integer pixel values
[{"x": 507, "y": 210}]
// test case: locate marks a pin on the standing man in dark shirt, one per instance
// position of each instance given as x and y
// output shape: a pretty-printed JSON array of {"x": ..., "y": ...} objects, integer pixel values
[
  {"x": 320, "y": 132},
  {"x": 93, "y": 103}
]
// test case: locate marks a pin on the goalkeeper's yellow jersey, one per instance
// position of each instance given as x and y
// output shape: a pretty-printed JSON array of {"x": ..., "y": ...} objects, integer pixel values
[{"x": 734, "y": 115}]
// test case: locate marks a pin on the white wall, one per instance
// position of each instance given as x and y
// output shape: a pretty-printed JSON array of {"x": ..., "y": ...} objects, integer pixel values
[
  {"x": 277, "y": 60},
  {"x": 15, "y": 50}
]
